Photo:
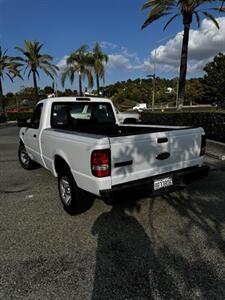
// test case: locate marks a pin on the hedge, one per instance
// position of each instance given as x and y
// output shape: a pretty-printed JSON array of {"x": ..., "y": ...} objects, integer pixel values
[
  {"x": 19, "y": 115},
  {"x": 212, "y": 122}
]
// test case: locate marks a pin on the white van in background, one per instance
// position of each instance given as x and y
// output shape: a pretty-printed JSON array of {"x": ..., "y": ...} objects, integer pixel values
[{"x": 140, "y": 106}]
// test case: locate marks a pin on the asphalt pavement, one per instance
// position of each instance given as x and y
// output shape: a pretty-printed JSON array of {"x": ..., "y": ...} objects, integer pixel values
[{"x": 170, "y": 247}]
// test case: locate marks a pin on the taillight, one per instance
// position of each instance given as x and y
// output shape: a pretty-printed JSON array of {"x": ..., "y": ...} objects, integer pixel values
[
  {"x": 100, "y": 163},
  {"x": 203, "y": 145}
]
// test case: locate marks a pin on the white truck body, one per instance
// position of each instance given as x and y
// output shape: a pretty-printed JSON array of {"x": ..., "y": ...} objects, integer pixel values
[{"x": 134, "y": 156}]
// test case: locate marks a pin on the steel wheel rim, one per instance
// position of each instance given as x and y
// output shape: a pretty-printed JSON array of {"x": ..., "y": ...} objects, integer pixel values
[
  {"x": 24, "y": 157},
  {"x": 65, "y": 190}
]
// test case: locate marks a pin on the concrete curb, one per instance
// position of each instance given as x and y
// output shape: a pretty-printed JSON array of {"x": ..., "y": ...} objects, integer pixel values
[
  {"x": 8, "y": 124},
  {"x": 215, "y": 149}
]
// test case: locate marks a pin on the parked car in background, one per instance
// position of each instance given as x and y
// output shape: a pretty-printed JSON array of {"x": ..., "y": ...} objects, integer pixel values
[
  {"x": 219, "y": 104},
  {"x": 128, "y": 117},
  {"x": 140, "y": 106}
]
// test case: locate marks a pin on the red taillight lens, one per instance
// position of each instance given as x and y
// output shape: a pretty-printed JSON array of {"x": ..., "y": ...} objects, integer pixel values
[
  {"x": 203, "y": 145},
  {"x": 100, "y": 163}
]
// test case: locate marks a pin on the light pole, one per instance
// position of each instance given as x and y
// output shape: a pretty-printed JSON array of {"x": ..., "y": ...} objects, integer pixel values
[
  {"x": 153, "y": 91},
  {"x": 154, "y": 72}
]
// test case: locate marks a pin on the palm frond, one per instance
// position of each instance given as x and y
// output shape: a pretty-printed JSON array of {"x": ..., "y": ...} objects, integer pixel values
[
  {"x": 154, "y": 3},
  {"x": 197, "y": 19},
  {"x": 220, "y": 9},
  {"x": 170, "y": 20},
  {"x": 47, "y": 72},
  {"x": 151, "y": 18},
  {"x": 33, "y": 60},
  {"x": 28, "y": 76},
  {"x": 9, "y": 76},
  {"x": 209, "y": 16}
]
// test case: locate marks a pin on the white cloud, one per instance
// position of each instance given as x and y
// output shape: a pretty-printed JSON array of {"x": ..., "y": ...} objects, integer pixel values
[
  {"x": 118, "y": 61},
  {"x": 204, "y": 44},
  {"x": 62, "y": 63},
  {"x": 126, "y": 61},
  {"x": 109, "y": 45}
]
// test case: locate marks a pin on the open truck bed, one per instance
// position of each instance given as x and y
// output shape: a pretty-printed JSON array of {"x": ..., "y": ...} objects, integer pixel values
[{"x": 121, "y": 130}]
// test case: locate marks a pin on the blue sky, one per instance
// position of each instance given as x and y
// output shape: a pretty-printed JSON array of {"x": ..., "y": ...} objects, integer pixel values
[{"x": 63, "y": 26}]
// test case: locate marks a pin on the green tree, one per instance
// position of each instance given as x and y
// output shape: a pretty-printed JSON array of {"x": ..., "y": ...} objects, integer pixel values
[
  {"x": 214, "y": 80},
  {"x": 186, "y": 9},
  {"x": 99, "y": 60},
  {"x": 79, "y": 62},
  {"x": 8, "y": 67},
  {"x": 194, "y": 91},
  {"x": 33, "y": 60}
]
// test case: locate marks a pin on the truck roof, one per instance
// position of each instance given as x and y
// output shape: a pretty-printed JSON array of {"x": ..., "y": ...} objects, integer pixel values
[{"x": 74, "y": 99}]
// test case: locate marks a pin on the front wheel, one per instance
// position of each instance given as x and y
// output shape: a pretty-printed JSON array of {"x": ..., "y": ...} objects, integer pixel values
[
  {"x": 74, "y": 200},
  {"x": 24, "y": 159}
]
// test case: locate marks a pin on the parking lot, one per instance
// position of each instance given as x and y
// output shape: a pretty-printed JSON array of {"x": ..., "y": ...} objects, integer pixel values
[{"x": 170, "y": 247}]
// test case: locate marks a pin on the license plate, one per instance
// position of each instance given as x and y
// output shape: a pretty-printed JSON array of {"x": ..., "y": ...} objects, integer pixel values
[{"x": 162, "y": 183}]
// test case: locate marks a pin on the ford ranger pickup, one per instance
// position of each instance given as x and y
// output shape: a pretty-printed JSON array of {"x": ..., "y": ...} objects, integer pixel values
[{"x": 81, "y": 141}]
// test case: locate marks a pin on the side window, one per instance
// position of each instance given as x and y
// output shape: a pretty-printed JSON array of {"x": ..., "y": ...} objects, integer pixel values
[{"x": 35, "y": 120}]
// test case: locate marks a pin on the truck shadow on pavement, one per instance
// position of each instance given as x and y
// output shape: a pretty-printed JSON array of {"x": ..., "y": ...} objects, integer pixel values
[
  {"x": 125, "y": 258},
  {"x": 133, "y": 264}
]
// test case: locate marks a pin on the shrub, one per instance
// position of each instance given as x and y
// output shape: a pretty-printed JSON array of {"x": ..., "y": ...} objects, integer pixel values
[
  {"x": 19, "y": 115},
  {"x": 212, "y": 122}
]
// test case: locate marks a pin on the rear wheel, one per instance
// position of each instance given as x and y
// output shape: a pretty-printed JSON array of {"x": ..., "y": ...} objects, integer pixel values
[
  {"x": 74, "y": 200},
  {"x": 24, "y": 159}
]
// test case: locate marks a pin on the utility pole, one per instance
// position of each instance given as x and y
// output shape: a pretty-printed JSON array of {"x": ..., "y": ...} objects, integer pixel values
[
  {"x": 154, "y": 88},
  {"x": 154, "y": 71}
]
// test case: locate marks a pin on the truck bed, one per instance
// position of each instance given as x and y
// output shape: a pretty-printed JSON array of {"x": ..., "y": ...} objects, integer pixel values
[{"x": 120, "y": 130}]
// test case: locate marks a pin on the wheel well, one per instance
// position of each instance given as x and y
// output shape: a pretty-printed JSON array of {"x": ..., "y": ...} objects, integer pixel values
[
  {"x": 21, "y": 143},
  {"x": 60, "y": 164}
]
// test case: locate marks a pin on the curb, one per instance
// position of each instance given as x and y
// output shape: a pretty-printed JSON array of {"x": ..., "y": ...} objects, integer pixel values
[
  {"x": 216, "y": 156},
  {"x": 218, "y": 152},
  {"x": 8, "y": 124}
]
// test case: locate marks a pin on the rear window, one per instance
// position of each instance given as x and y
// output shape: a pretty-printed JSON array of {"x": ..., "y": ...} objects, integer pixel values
[{"x": 70, "y": 115}]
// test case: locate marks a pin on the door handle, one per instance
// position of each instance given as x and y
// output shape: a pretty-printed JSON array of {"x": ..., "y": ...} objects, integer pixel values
[
  {"x": 34, "y": 135},
  {"x": 162, "y": 140}
]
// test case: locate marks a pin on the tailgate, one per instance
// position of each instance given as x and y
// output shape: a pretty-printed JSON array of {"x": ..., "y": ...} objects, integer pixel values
[{"x": 144, "y": 155}]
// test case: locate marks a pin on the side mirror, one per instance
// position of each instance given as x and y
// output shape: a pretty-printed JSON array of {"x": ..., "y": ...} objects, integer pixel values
[{"x": 22, "y": 123}]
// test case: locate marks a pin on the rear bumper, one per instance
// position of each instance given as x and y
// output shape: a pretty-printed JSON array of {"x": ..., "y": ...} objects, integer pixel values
[{"x": 145, "y": 187}]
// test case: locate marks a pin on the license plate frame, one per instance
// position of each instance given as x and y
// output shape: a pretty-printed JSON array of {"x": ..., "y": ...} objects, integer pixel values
[{"x": 162, "y": 183}]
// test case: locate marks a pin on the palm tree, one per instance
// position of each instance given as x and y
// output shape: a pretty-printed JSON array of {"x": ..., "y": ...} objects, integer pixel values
[
  {"x": 34, "y": 60},
  {"x": 99, "y": 58},
  {"x": 9, "y": 67},
  {"x": 79, "y": 62},
  {"x": 187, "y": 9}
]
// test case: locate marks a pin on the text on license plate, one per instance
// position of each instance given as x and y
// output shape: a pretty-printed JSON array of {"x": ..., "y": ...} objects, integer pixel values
[{"x": 162, "y": 183}]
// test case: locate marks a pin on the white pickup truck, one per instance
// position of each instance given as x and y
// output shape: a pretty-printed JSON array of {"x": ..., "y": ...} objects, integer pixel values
[{"x": 80, "y": 141}]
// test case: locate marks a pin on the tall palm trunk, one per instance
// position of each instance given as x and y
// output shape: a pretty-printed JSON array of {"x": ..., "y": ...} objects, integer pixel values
[
  {"x": 97, "y": 83},
  {"x": 2, "y": 104},
  {"x": 80, "y": 85},
  {"x": 35, "y": 86},
  {"x": 187, "y": 19}
]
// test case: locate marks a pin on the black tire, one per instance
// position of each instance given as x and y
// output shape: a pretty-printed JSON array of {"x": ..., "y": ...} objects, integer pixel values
[
  {"x": 74, "y": 200},
  {"x": 26, "y": 162}
]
